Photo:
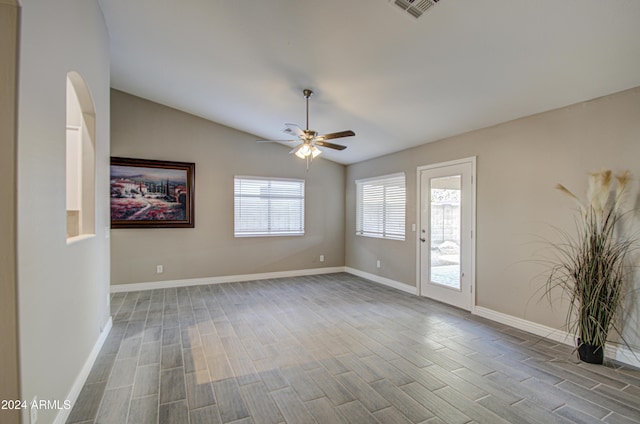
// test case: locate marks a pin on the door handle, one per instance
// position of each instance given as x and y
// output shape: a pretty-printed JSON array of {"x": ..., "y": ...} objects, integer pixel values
[{"x": 422, "y": 240}]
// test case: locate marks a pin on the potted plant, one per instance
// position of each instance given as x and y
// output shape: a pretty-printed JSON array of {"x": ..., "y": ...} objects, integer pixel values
[{"x": 590, "y": 266}]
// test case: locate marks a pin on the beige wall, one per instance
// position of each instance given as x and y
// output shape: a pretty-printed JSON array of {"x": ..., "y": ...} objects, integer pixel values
[
  {"x": 518, "y": 165},
  {"x": 9, "y": 378},
  {"x": 143, "y": 129},
  {"x": 63, "y": 288}
]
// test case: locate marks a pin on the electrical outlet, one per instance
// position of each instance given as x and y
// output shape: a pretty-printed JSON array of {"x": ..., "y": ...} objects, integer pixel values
[
  {"x": 159, "y": 269},
  {"x": 321, "y": 258},
  {"x": 378, "y": 263},
  {"x": 34, "y": 410}
]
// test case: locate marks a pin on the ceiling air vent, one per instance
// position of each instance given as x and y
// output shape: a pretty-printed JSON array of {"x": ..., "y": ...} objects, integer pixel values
[{"x": 414, "y": 8}]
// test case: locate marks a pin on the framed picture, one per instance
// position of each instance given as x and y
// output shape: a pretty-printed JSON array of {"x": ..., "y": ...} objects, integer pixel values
[{"x": 152, "y": 193}]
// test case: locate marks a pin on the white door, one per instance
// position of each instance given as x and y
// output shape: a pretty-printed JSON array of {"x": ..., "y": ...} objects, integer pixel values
[{"x": 446, "y": 245}]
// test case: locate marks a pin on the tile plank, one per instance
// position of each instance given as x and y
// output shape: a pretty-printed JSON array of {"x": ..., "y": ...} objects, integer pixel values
[
  {"x": 199, "y": 390},
  {"x": 435, "y": 404},
  {"x": 362, "y": 391},
  {"x": 172, "y": 413},
  {"x": 291, "y": 407},
  {"x": 172, "y": 385},
  {"x": 413, "y": 410},
  {"x": 229, "y": 400},
  {"x": 147, "y": 381},
  {"x": 115, "y": 406},
  {"x": 144, "y": 410},
  {"x": 262, "y": 407}
]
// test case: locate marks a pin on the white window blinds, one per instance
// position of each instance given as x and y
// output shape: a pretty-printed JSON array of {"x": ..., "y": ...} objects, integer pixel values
[
  {"x": 268, "y": 207},
  {"x": 380, "y": 207}
]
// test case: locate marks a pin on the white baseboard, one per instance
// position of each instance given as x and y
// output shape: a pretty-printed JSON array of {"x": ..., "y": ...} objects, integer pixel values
[
  {"x": 63, "y": 415},
  {"x": 118, "y": 288},
  {"x": 622, "y": 354},
  {"x": 382, "y": 280},
  {"x": 617, "y": 352},
  {"x": 222, "y": 279},
  {"x": 525, "y": 325}
]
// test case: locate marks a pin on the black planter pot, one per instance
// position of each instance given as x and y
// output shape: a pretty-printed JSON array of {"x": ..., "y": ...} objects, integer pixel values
[{"x": 590, "y": 353}]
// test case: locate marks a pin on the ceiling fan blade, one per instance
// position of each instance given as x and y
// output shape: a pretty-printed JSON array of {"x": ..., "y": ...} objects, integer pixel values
[
  {"x": 293, "y": 129},
  {"x": 340, "y": 134},
  {"x": 330, "y": 145},
  {"x": 277, "y": 141}
]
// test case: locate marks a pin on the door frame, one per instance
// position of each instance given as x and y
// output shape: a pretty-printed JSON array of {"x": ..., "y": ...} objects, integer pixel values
[{"x": 419, "y": 245}]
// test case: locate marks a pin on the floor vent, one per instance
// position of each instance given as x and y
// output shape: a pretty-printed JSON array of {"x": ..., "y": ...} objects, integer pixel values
[{"x": 415, "y": 8}]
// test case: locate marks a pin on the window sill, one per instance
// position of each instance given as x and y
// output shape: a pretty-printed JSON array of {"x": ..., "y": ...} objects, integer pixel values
[
  {"x": 267, "y": 235},
  {"x": 381, "y": 237},
  {"x": 77, "y": 239}
]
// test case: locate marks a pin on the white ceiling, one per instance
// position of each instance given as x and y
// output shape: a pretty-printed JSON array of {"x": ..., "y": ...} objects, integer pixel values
[{"x": 396, "y": 81}]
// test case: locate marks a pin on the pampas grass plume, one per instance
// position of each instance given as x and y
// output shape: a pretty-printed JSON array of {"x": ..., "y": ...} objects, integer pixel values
[
  {"x": 599, "y": 189},
  {"x": 568, "y": 192},
  {"x": 623, "y": 181}
]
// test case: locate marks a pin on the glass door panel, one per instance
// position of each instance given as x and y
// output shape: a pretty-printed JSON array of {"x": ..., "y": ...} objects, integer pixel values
[{"x": 444, "y": 260}]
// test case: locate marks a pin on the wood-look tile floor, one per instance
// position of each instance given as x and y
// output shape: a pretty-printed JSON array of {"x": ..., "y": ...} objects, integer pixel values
[{"x": 335, "y": 349}]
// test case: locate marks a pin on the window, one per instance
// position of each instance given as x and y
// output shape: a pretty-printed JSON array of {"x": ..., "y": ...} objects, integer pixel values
[
  {"x": 380, "y": 207},
  {"x": 268, "y": 207}
]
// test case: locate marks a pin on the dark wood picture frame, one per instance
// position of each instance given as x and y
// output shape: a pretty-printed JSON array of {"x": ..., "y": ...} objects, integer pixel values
[{"x": 151, "y": 193}]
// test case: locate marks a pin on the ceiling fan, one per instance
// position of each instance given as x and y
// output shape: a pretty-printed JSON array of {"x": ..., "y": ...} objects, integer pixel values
[{"x": 310, "y": 139}]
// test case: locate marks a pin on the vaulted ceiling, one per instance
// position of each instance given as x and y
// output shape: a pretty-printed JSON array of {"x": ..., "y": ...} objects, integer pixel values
[{"x": 395, "y": 80}]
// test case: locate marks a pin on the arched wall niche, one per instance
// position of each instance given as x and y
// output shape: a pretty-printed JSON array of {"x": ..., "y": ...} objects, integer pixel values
[{"x": 80, "y": 162}]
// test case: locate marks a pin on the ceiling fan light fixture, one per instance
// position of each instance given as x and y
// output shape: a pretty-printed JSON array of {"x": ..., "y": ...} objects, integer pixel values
[
  {"x": 302, "y": 151},
  {"x": 306, "y": 150}
]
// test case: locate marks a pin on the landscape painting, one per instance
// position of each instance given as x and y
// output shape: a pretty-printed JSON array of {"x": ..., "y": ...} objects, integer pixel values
[{"x": 151, "y": 193}]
